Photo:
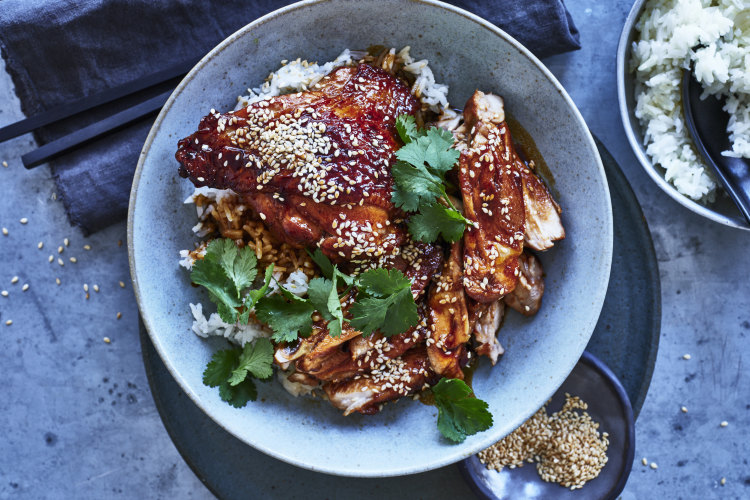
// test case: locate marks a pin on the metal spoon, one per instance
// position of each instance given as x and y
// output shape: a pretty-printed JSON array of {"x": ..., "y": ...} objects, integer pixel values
[{"x": 707, "y": 124}]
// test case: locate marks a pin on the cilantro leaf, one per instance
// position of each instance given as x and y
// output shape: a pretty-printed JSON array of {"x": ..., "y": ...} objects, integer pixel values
[
  {"x": 287, "y": 318},
  {"x": 318, "y": 290},
  {"x": 459, "y": 413},
  {"x": 324, "y": 296},
  {"x": 406, "y": 127},
  {"x": 334, "y": 308},
  {"x": 434, "y": 148},
  {"x": 420, "y": 184},
  {"x": 225, "y": 271},
  {"x": 384, "y": 303},
  {"x": 220, "y": 367},
  {"x": 326, "y": 267},
  {"x": 238, "y": 395},
  {"x": 253, "y": 296},
  {"x": 221, "y": 370},
  {"x": 440, "y": 155},
  {"x": 208, "y": 273},
  {"x": 227, "y": 312},
  {"x": 323, "y": 262},
  {"x": 434, "y": 220},
  {"x": 414, "y": 186},
  {"x": 238, "y": 264},
  {"x": 255, "y": 359}
]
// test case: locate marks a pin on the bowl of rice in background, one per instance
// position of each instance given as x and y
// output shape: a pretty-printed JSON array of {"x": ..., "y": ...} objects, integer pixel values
[
  {"x": 659, "y": 40},
  {"x": 465, "y": 53}
]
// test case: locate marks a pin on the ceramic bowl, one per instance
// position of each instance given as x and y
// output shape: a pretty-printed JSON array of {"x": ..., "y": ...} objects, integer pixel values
[
  {"x": 467, "y": 53},
  {"x": 723, "y": 210}
]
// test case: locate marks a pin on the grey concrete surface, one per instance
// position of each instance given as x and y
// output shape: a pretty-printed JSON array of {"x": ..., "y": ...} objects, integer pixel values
[{"x": 78, "y": 420}]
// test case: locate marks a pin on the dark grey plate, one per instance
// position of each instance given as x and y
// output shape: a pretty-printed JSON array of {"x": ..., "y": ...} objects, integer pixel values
[{"x": 626, "y": 339}]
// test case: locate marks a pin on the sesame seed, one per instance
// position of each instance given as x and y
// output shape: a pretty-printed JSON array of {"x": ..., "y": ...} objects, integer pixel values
[
  {"x": 40, "y": 245},
  {"x": 14, "y": 280},
  {"x": 723, "y": 481},
  {"x": 724, "y": 423},
  {"x": 686, "y": 356},
  {"x": 66, "y": 241},
  {"x": 96, "y": 288},
  {"x": 683, "y": 409},
  {"x": 73, "y": 260},
  {"x": 85, "y": 287},
  {"x": 25, "y": 287},
  {"x": 60, "y": 249},
  {"x": 87, "y": 247},
  {"x": 5, "y": 164},
  {"x": 57, "y": 280},
  {"x": 51, "y": 258},
  {"x": 119, "y": 315},
  {"x": 4, "y": 293},
  {"x": 9, "y": 322},
  {"x": 644, "y": 461},
  {"x": 122, "y": 285},
  {"x": 654, "y": 466},
  {"x": 106, "y": 340},
  {"x": 60, "y": 261},
  {"x": 24, "y": 220},
  {"x": 5, "y": 231}
]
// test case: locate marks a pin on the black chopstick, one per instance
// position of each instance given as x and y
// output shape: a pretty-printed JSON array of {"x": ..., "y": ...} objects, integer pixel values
[
  {"x": 73, "y": 108},
  {"x": 73, "y": 140}
]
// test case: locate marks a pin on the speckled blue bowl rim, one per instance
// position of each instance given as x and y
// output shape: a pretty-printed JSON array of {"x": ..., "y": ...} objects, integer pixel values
[
  {"x": 482, "y": 491},
  {"x": 450, "y": 455},
  {"x": 632, "y": 131}
]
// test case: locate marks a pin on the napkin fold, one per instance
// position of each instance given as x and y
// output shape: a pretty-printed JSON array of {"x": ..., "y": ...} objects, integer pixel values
[{"x": 61, "y": 50}]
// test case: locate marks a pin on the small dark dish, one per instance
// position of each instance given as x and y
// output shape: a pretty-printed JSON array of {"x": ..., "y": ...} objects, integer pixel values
[{"x": 594, "y": 383}]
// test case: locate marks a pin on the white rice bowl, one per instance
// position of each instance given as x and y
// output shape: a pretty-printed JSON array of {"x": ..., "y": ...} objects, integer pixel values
[{"x": 714, "y": 36}]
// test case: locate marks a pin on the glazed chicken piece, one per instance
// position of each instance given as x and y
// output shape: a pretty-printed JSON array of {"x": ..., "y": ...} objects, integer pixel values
[
  {"x": 492, "y": 193},
  {"x": 399, "y": 377},
  {"x": 542, "y": 213},
  {"x": 484, "y": 322},
  {"x": 526, "y": 298},
  {"x": 315, "y": 165},
  {"x": 449, "y": 319},
  {"x": 328, "y": 360}
]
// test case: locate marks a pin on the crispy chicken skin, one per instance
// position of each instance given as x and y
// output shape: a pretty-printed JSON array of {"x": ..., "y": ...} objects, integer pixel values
[
  {"x": 315, "y": 165},
  {"x": 526, "y": 298},
  {"x": 493, "y": 200},
  {"x": 449, "y": 319},
  {"x": 542, "y": 213},
  {"x": 399, "y": 377}
]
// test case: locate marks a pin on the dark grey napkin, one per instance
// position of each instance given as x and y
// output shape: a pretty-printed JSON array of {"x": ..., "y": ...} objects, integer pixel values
[{"x": 60, "y": 50}]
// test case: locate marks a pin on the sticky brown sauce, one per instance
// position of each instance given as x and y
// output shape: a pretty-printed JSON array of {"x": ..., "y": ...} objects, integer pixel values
[{"x": 526, "y": 148}]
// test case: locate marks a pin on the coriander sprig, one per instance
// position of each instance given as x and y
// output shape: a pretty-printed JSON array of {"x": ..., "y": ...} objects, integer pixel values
[
  {"x": 233, "y": 370},
  {"x": 420, "y": 183},
  {"x": 460, "y": 414},
  {"x": 227, "y": 271}
]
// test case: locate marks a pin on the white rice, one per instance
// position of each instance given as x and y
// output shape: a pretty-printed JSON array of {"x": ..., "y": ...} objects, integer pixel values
[{"x": 669, "y": 30}]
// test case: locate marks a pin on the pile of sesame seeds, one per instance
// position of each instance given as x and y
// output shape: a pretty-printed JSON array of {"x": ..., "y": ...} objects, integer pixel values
[{"x": 566, "y": 446}]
